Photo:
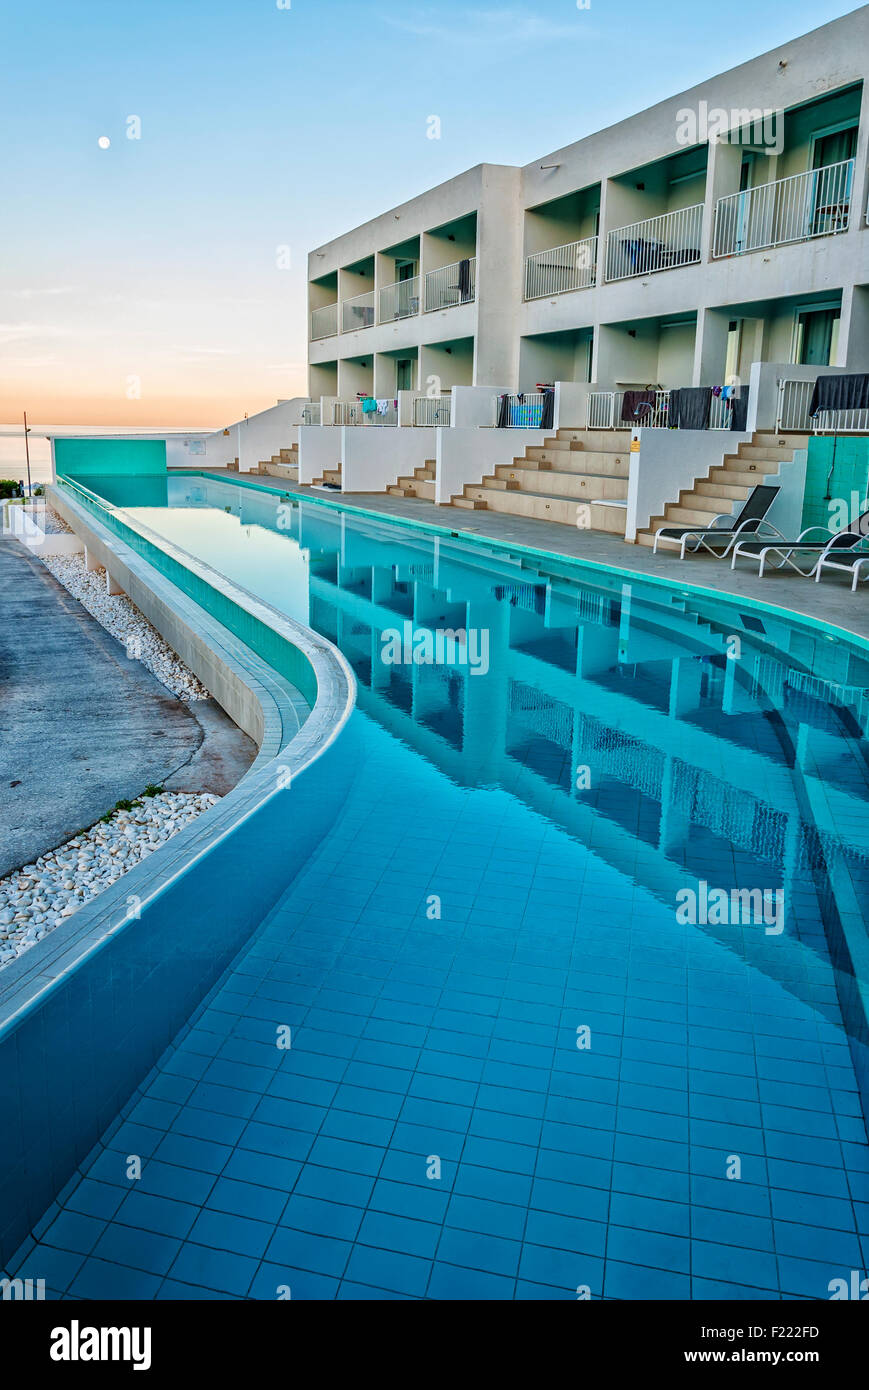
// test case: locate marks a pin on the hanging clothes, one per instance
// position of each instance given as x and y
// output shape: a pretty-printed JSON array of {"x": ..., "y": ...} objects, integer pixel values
[
  {"x": 503, "y": 412},
  {"x": 846, "y": 392},
  {"x": 369, "y": 405},
  {"x": 464, "y": 280},
  {"x": 689, "y": 407},
  {"x": 547, "y": 416},
  {"x": 739, "y": 408},
  {"x": 636, "y": 404}
]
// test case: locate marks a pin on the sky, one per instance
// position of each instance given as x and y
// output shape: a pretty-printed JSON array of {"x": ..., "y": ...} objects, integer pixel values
[{"x": 160, "y": 280}]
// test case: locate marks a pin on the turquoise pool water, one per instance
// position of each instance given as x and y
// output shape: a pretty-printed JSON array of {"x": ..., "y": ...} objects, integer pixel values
[{"x": 530, "y": 1057}]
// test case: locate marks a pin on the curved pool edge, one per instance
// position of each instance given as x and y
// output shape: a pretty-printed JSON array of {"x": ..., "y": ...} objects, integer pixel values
[{"x": 87, "y": 1011}]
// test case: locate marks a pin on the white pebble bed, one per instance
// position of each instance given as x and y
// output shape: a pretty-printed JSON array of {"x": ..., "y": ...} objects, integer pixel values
[
  {"x": 120, "y": 616},
  {"x": 36, "y": 899}
]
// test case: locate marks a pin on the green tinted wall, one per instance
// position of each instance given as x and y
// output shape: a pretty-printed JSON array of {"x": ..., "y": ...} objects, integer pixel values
[
  {"x": 837, "y": 467},
  {"x": 102, "y": 457}
]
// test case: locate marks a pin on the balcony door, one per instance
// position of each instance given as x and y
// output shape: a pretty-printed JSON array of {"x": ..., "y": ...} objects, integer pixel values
[
  {"x": 817, "y": 336},
  {"x": 830, "y": 190}
]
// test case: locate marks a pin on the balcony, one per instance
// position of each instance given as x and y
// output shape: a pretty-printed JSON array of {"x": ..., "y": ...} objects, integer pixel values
[
  {"x": 399, "y": 300},
  {"x": 357, "y": 312},
  {"x": 431, "y": 410},
  {"x": 817, "y": 203},
  {"x": 794, "y": 400},
  {"x": 451, "y": 285},
  {"x": 324, "y": 322},
  {"x": 658, "y": 243},
  {"x": 365, "y": 411},
  {"x": 561, "y": 269}
]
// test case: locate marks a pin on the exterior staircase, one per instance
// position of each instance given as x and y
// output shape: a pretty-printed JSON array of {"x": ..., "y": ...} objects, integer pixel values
[
  {"x": 553, "y": 479},
  {"x": 726, "y": 485},
  {"x": 422, "y": 484},
  {"x": 284, "y": 464},
  {"x": 330, "y": 475}
]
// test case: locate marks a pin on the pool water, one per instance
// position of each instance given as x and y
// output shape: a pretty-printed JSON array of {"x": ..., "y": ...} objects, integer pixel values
[{"x": 518, "y": 1067}]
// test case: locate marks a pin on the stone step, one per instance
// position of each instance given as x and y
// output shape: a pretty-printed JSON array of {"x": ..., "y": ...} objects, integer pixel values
[
  {"x": 690, "y": 516},
  {"x": 501, "y": 484},
  {"x": 472, "y": 504},
  {"x": 742, "y": 477},
  {"x": 579, "y": 461},
  {"x": 554, "y": 482},
  {"x": 773, "y": 454},
  {"x": 611, "y": 441},
  {"x": 723, "y": 490},
  {"x": 426, "y": 474},
  {"x": 550, "y": 508}
]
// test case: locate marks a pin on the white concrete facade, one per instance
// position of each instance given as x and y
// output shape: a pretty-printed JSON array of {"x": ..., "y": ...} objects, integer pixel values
[{"x": 696, "y": 296}]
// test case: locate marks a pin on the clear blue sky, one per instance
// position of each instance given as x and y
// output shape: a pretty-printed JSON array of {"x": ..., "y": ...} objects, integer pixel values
[{"x": 264, "y": 126}]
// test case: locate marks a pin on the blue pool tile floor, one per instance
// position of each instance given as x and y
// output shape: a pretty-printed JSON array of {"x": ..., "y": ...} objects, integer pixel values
[{"x": 434, "y": 1131}]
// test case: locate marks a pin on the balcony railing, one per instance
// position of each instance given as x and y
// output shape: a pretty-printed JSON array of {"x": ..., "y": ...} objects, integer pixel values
[
  {"x": 311, "y": 413},
  {"x": 604, "y": 412},
  {"x": 450, "y": 285},
  {"x": 658, "y": 243},
  {"x": 324, "y": 322},
  {"x": 357, "y": 312},
  {"x": 523, "y": 413},
  {"x": 384, "y": 412},
  {"x": 431, "y": 410},
  {"x": 399, "y": 300},
  {"x": 563, "y": 268},
  {"x": 794, "y": 399},
  {"x": 802, "y": 206}
]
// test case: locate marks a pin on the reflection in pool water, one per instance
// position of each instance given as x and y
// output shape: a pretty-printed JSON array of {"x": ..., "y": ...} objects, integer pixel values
[{"x": 508, "y": 955}]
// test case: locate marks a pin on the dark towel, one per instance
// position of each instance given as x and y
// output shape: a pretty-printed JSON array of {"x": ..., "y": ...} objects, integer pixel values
[
  {"x": 689, "y": 407},
  {"x": 841, "y": 393},
  {"x": 548, "y": 415},
  {"x": 465, "y": 280},
  {"x": 739, "y": 409},
  {"x": 503, "y": 412},
  {"x": 632, "y": 400}
]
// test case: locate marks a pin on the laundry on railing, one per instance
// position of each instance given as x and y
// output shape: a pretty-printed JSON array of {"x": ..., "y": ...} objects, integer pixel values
[
  {"x": 637, "y": 404},
  {"x": 369, "y": 405},
  {"x": 465, "y": 280},
  {"x": 547, "y": 415},
  {"x": 738, "y": 400},
  {"x": 845, "y": 392},
  {"x": 689, "y": 407},
  {"x": 384, "y": 406}
]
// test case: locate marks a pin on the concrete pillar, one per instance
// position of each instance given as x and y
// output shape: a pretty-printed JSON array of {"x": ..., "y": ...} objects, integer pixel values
[
  {"x": 597, "y": 651},
  {"x": 853, "y": 346},
  {"x": 112, "y": 586},
  {"x": 90, "y": 561},
  {"x": 710, "y": 347},
  {"x": 722, "y": 177}
]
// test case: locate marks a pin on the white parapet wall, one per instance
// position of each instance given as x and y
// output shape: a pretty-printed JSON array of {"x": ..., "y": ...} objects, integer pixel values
[
  {"x": 663, "y": 462},
  {"x": 319, "y": 448},
  {"x": 374, "y": 457},
  {"x": 28, "y": 526},
  {"x": 468, "y": 455}
]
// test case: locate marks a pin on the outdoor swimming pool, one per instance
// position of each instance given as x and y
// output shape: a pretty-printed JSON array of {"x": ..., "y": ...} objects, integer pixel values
[{"x": 538, "y": 1045}]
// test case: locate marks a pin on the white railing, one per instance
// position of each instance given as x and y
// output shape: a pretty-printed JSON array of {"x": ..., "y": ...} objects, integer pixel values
[
  {"x": 311, "y": 413},
  {"x": 564, "y": 268},
  {"x": 601, "y": 410},
  {"x": 658, "y": 243},
  {"x": 324, "y": 321},
  {"x": 719, "y": 413},
  {"x": 385, "y": 412},
  {"x": 522, "y": 414},
  {"x": 399, "y": 300},
  {"x": 817, "y": 203},
  {"x": 357, "y": 312},
  {"x": 431, "y": 410},
  {"x": 794, "y": 400},
  {"x": 451, "y": 284}
]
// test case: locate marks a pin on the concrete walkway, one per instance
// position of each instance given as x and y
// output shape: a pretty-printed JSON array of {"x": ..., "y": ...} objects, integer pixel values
[{"x": 81, "y": 725}]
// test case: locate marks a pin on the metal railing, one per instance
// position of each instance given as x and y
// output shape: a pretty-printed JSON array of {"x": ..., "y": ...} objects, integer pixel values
[
  {"x": 563, "y": 268},
  {"x": 524, "y": 414},
  {"x": 719, "y": 413},
  {"x": 658, "y": 243},
  {"x": 357, "y": 312},
  {"x": 451, "y": 284},
  {"x": 794, "y": 400},
  {"x": 324, "y": 321},
  {"x": 385, "y": 412},
  {"x": 816, "y": 203},
  {"x": 399, "y": 300},
  {"x": 431, "y": 410},
  {"x": 311, "y": 413},
  {"x": 601, "y": 410}
]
